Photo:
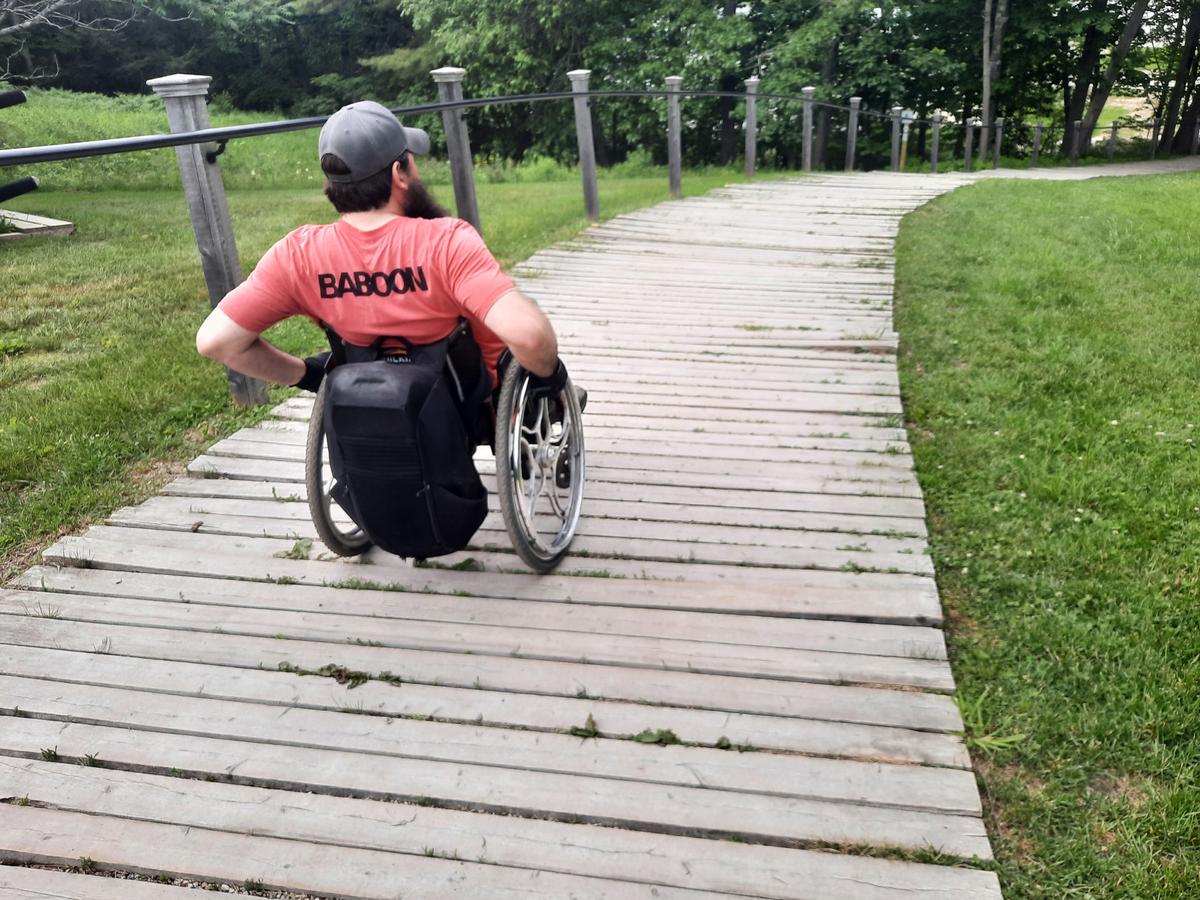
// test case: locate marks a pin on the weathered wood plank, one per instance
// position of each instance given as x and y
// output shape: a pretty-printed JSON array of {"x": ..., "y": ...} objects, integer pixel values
[
  {"x": 738, "y": 869},
  {"x": 626, "y": 543},
  {"x": 845, "y": 781},
  {"x": 50, "y": 835},
  {"x": 646, "y": 807},
  {"x": 753, "y": 696},
  {"x": 491, "y": 640},
  {"x": 816, "y": 593},
  {"x": 614, "y": 522},
  {"x": 760, "y": 631},
  {"x": 537, "y": 712},
  {"x": 25, "y": 883}
]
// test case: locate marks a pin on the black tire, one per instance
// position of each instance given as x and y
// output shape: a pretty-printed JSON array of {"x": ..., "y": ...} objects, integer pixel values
[
  {"x": 344, "y": 542},
  {"x": 528, "y": 475}
]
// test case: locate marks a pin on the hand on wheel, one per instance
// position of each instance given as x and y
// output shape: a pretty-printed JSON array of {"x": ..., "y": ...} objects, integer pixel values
[
  {"x": 314, "y": 372},
  {"x": 550, "y": 386}
]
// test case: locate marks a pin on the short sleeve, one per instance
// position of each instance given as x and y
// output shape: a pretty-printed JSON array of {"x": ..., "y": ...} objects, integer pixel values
[
  {"x": 473, "y": 277},
  {"x": 266, "y": 297}
]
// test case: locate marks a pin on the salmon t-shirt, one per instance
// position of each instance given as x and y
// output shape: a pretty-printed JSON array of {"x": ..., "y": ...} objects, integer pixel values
[{"x": 410, "y": 278}]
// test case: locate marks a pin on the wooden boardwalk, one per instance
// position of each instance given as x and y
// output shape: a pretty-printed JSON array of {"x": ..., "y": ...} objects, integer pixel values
[{"x": 751, "y": 577}]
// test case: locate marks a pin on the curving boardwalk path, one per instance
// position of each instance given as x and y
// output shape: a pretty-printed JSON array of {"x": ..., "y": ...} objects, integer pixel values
[{"x": 752, "y": 577}]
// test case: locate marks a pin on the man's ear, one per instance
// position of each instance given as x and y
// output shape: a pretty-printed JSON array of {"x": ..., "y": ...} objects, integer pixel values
[{"x": 399, "y": 177}]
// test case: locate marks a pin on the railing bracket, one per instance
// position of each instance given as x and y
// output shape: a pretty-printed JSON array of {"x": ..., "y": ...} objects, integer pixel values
[{"x": 212, "y": 155}]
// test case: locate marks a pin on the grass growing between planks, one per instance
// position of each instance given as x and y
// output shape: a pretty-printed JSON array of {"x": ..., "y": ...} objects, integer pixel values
[
  {"x": 1049, "y": 360},
  {"x": 99, "y": 378}
]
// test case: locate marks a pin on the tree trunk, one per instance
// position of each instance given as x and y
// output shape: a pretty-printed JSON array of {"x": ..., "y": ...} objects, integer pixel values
[
  {"x": 1089, "y": 59},
  {"x": 1182, "y": 139},
  {"x": 828, "y": 71},
  {"x": 1179, "y": 89},
  {"x": 1102, "y": 90},
  {"x": 992, "y": 70},
  {"x": 728, "y": 140},
  {"x": 985, "y": 104}
]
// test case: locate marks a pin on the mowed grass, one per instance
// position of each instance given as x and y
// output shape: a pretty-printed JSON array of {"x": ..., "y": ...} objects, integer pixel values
[
  {"x": 99, "y": 378},
  {"x": 1049, "y": 357}
]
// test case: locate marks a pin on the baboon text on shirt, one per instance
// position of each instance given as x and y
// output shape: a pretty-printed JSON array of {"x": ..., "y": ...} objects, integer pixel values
[{"x": 371, "y": 284}]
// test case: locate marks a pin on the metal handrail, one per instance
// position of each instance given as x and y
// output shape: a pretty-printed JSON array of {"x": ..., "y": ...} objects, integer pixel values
[{"x": 84, "y": 149}]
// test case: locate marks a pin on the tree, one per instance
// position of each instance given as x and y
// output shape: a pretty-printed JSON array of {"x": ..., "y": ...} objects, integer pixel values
[
  {"x": 18, "y": 18},
  {"x": 993, "y": 41}
]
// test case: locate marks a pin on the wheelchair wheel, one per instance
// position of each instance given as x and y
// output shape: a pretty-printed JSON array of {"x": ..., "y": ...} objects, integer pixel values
[
  {"x": 539, "y": 469},
  {"x": 333, "y": 526}
]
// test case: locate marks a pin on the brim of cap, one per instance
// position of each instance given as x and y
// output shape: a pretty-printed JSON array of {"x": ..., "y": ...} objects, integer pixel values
[{"x": 418, "y": 140}]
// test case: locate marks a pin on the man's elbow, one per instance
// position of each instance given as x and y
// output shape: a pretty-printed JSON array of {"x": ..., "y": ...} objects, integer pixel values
[
  {"x": 207, "y": 346},
  {"x": 538, "y": 343}
]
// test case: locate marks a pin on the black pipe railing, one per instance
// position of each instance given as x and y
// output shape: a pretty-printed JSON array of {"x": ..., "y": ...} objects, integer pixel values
[{"x": 85, "y": 149}]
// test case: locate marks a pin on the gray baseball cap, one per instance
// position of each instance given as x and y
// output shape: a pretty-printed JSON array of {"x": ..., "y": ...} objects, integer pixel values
[{"x": 367, "y": 138}]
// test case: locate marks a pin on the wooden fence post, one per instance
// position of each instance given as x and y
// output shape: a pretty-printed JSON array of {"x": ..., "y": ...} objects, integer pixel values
[
  {"x": 587, "y": 149},
  {"x": 808, "y": 93},
  {"x": 1154, "y": 138},
  {"x": 751, "y": 125},
  {"x": 1037, "y": 145},
  {"x": 968, "y": 140},
  {"x": 852, "y": 132},
  {"x": 896, "y": 111},
  {"x": 674, "y": 146},
  {"x": 187, "y": 110},
  {"x": 1076, "y": 133},
  {"x": 1112, "y": 141},
  {"x": 458, "y": 144},
  {"x": 999, "y": 141},
  {"x": 934, "y": 140}
]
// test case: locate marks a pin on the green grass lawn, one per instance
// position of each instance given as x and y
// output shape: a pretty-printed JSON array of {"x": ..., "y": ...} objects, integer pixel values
[
  {"x": 1050, "y": 353},
  {"x": 99, "y": 377}
]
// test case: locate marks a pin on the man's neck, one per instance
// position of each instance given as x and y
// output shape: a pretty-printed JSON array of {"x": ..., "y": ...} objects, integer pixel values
[{"x": 371, "y": 219}]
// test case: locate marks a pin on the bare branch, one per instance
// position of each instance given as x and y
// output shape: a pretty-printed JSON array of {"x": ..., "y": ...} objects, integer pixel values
[{"x": 23, "y": 15}]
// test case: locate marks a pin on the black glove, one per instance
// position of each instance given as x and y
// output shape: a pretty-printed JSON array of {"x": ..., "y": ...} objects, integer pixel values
[
  {"x": 314, "y": 372},
  {"x": 551, "y": 385}
]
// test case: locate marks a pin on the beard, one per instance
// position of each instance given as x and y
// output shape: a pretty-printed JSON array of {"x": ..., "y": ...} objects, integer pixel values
[{"x": 419, "y": 203}]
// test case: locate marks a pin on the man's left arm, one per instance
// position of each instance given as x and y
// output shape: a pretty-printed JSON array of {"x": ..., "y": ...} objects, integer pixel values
[
  {"x": 244, "y": 350},
  {"x": 232, "y": 333}
]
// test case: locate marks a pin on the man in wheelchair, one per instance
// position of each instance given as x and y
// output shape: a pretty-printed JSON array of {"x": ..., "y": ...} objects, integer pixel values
[{"x": 392, "y": 276}]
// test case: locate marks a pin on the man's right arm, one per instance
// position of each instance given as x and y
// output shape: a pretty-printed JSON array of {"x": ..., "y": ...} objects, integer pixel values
[{"x": 521, "y": 324}]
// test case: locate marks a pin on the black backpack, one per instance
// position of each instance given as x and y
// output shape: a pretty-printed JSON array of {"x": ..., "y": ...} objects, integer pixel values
[{"x": 402, "y": 431}]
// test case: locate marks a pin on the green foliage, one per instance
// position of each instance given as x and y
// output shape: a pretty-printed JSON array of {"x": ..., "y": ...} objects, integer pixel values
[{"x": 1047, "y": 367}]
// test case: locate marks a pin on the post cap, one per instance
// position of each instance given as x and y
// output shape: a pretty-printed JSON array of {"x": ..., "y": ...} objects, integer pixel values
[
  {"x": 674, "y": 81},
  {"x": 808, "y": 91},
  {"x": 181, "y": 85},
  {"x": 448, "y": 73},
  {"x": 855, "y": 101},
  {"x": 579, "y": 74},
  {"x": 753, "y": 79},
  {"x": 896, "y": 110}
]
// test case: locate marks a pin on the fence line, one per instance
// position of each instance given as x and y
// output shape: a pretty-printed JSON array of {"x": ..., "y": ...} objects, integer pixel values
[{"x": 199, "y": 146}]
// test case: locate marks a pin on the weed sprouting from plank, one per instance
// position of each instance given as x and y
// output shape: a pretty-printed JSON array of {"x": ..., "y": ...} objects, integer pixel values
[
  {"x": 301, "y": 549},
  {"x": 285, "y": 498},
  {"x": 253, "y": 886},
  {"x": 90, "y": 759},
  {"x": 661, "y": 736},
  {"x": 50, "y": 754},
  {"x": 38, "y": 611},
  {"x": 470, "y": 564},
  {"x": 587, "y": 730},
  {"x": 360, "y": 642},
  {"x": 87, "y": 865},
  {"x": 723, "y": 743}
]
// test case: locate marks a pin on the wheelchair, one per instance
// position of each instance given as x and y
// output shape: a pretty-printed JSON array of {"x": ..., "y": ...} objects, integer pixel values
[{"x": 537, "y": 445}]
